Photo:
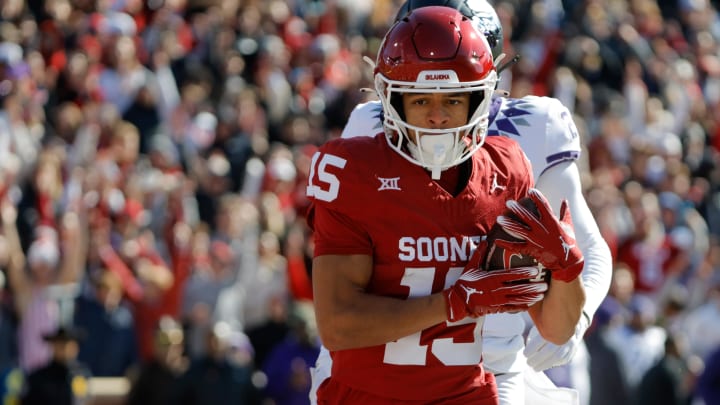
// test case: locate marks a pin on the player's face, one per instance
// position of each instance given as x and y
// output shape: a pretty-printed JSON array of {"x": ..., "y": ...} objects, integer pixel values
[{"x": 436, "y": 110}]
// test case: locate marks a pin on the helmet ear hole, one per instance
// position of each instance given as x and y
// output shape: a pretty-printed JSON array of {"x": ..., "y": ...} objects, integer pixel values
[
  {"x": 476, "y": 97},
  {"x": 396, "y": 101}
]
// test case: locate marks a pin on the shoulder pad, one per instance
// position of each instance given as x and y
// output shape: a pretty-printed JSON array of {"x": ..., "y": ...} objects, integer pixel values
[
  {"x": 542, "y": 126},
  {"x": 365, "y": 120}
]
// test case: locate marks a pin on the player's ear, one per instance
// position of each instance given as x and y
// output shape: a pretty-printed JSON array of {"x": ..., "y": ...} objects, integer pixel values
[{"x": 396, "y": 100}]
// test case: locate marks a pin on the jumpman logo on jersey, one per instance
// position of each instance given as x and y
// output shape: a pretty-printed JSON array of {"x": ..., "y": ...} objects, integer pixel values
[
  {"x": 566, "y": 246},
  {"x": 469, "y": 291},
  {"x": 391, "y": 183},
  {"x": 495, "y": 186}
]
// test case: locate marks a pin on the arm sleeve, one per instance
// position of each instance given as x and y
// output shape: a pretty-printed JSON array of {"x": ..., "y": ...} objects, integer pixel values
[{"x": 560, "y": 182}]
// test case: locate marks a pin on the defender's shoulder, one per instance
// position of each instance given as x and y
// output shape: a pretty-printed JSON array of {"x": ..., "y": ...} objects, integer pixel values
[
  {"x": 543, "y": 127},
  {"x": 366, "y": 119}
]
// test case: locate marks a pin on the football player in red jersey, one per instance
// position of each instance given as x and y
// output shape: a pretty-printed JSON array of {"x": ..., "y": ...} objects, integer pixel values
[
  {"x": 398, "y": 221},
  {"x": 544, "y": 129}
]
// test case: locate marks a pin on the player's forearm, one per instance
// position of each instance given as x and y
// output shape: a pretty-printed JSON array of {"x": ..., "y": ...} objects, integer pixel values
[
  {"x": 563, "y": 182},
  {"x": 559, "y": 312},
  {"x": 349, "y": 317},
  {"x": 597, "y": 271},
  {"x": 363, "y": 320}
]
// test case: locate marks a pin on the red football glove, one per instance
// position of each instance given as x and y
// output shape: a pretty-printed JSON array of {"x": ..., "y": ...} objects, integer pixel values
[
  {"x": 478, "y": 292},
  {"x": 548, "y": 239}
]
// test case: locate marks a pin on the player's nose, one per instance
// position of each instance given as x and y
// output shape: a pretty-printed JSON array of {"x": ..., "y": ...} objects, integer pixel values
[{"x": 437, "y": 117}]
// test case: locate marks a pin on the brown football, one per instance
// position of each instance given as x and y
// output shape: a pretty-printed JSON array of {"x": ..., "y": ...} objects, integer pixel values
[{"x": 496, "y": 257}]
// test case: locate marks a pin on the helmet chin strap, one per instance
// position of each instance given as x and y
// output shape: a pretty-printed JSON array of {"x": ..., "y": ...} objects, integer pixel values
[{"x": 435, "y": 151}]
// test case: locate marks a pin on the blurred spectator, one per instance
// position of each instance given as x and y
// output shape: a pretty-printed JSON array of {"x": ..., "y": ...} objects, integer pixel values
[
  {"x": 153, "y": 286},
  {"x": 267, "y": 335},
  {"x": 63, "y": 381},
  {"x": 202, "y": 292},
  {"x": 220, "y": 376},
  {"x": 153, "y": 380},
  {"x": 622, "y": 287},
  {"x": 674, "y": 310},
  {"x": 52, "y": 259},
  {"x": 8, "y": 319},
  {"x": 269, "y": 281},
  {"x": 101, "y": 313},
  {"x": 607, "y": 375},
  {"x": 703, "y": 282},
  {"x": 123, "y": 75},
  {"x": 239, "y": 126},
  {"x": 157, "y": 282},
  {"x": 212, "y": 177},
  {"x": 639, "y": 343},
  {"x": 246, "y": 304},
  {"x": 298, "y": 251},
  {"x": 708, "y": 384},
  {"x": 11, "y": 376},
  {"x": 40, "y": 200},
  {"x": 650, "y": 253},
  {"x": 702, "y": 324},
  {"x": 287, "y": 364},
  {"x": 669, "y": 381},
  {"x": 145, "y": 115}
]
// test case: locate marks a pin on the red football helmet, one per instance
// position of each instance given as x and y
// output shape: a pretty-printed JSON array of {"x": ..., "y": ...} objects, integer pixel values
[
  {"x": 481, "y": 13},
  {"x": 435, "y": 50}
]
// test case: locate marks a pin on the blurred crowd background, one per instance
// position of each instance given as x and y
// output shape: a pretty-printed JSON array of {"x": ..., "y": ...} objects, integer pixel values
[{"x": 154, "y": 157}]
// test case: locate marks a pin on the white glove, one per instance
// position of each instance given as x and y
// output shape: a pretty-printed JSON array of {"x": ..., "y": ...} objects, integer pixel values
[{"x": 542, "y": 355}]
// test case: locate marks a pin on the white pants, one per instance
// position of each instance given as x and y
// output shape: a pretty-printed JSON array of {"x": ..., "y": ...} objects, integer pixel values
[
  {"x": 574, "y": 374},
  {"x": 511, "y": 388},
  {"x": 319, "y": 373},
  {"x": 540, "y": 390},
  {"x": 530, "y": 387}
]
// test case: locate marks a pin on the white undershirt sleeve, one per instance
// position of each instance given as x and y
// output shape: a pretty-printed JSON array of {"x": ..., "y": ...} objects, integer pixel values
[{"x": 563, "y": 182}]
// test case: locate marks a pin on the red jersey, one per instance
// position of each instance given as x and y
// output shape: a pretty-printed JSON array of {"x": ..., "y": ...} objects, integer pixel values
[
  {"x": 367, "y": 199},
  {"x": 650, "y": 262}
]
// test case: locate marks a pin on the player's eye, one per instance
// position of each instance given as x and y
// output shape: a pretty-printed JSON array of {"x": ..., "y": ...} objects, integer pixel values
[
  {"x": 419, "y": 101},
  {"x": 457, "y": 99}
]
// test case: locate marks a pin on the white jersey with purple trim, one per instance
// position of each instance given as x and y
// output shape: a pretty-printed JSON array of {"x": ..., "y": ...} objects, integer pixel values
[{"x": 542, "y": 126}]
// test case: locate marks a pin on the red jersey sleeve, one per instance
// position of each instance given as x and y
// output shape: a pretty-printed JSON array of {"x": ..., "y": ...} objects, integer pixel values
[
  {"x": 335, "y": 233},
  {"x": 338, "y": 197}
]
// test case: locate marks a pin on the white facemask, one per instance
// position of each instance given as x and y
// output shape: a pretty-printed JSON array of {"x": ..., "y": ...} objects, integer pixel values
[{"x": 436, "y": 151}]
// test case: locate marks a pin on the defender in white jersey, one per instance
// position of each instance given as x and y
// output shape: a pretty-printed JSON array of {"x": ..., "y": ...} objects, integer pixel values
[{"x": 545, "y": 131}]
